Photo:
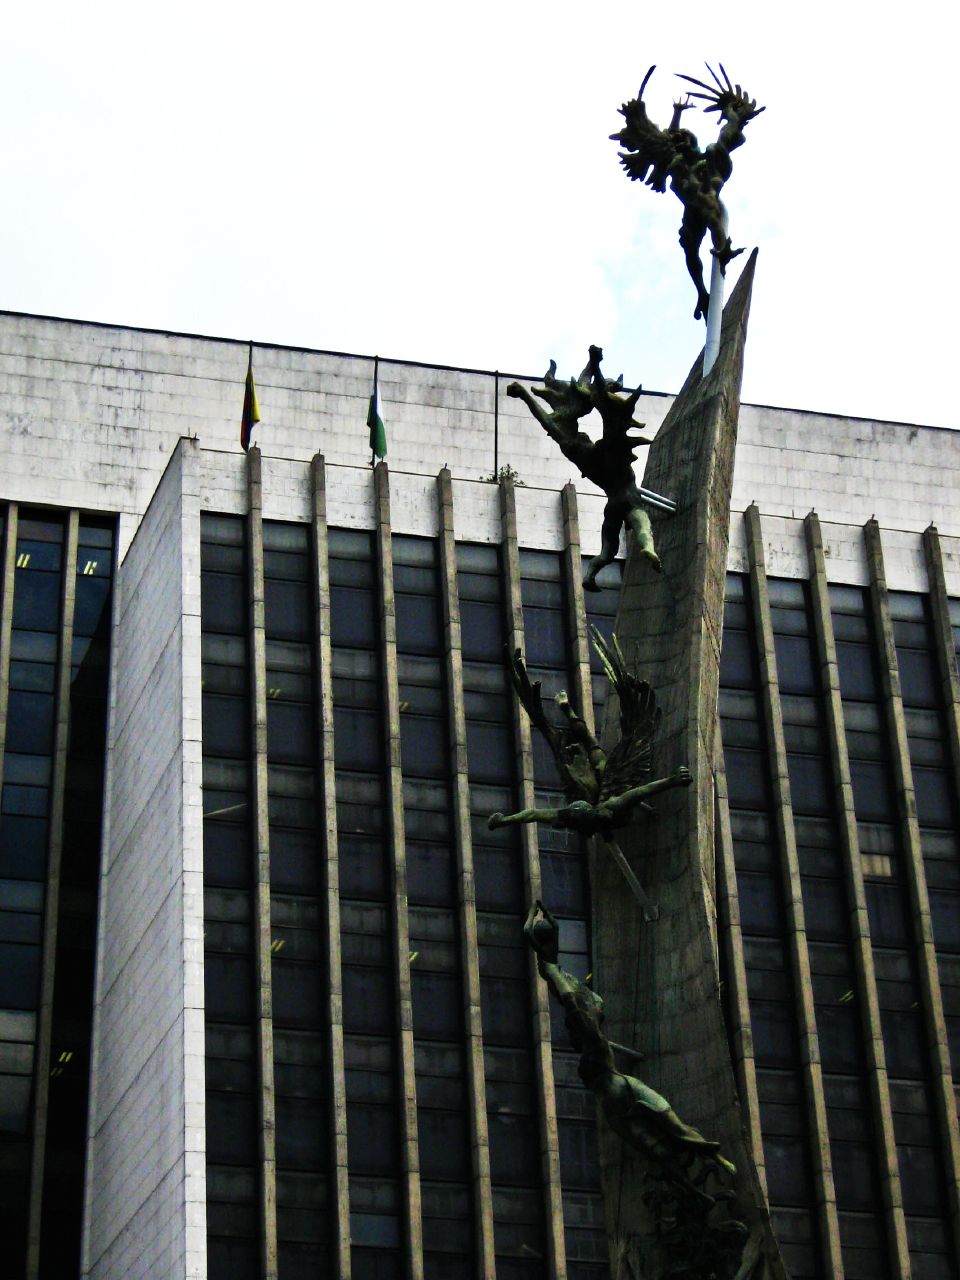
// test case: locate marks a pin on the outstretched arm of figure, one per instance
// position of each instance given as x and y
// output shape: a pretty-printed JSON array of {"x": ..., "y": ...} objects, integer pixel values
[
  {"x": 733, "y": 104},
  {"x": 678, "y": 109},
  {"x": 622, "y": 805},
  {"x": 497, "y": 820},
  {"x": 519, "y": 392}
]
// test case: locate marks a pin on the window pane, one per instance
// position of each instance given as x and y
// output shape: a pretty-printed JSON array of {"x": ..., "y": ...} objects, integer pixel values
[
  {"x": 418, "y": 624},
  {"x": 795, "y": 664},
  {"x": 223, "y": 602},
  {"x": 288, "y": 608},
  {"x": 353, "y": 618},
  {"x": 36, "y": 602},
  {"x": 856, "y": 671}
]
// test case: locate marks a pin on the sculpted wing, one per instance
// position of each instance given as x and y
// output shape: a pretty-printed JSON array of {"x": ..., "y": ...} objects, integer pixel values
[
  {"x": 647, "y": 148},
  {"x": 528, "y": 694},
  {"x": 631, "y": 761}
]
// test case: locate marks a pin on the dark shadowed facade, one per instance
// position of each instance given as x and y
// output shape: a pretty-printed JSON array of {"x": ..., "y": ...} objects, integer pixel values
[{"x": 265, "y": 1008}]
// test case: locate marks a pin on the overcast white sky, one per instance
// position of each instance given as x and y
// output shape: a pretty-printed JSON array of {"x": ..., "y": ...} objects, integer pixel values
[{"x": 434, "y": 182}]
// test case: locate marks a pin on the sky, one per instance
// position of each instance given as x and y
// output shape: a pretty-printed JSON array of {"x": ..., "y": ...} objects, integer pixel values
[{"x": 435, "y": 182}]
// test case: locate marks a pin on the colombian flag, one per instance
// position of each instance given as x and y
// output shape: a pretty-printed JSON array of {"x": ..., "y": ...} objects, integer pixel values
[{"x": 251, "y": 410}]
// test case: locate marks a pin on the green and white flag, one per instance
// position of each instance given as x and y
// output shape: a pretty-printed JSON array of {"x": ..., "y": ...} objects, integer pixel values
[{"x": 378, "y": 434}]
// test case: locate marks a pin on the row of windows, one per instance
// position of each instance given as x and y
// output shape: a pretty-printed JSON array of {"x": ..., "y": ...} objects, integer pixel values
[
  {"x": 366, "y": 877},
  {"x": 366, "y": 890},
  {"x": 919, "y": 1152},
  {"x": 770, "y": 983},
  {"x": 841, "y": 1033},
  {"x": 38, "y": 649}
]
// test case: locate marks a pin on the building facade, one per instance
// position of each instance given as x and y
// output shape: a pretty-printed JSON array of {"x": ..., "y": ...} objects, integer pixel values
[{"x": 266, "y": 1010}]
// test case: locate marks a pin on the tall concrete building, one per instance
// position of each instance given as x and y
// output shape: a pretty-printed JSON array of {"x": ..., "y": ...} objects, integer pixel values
[{"x": 265, "y": 1010}]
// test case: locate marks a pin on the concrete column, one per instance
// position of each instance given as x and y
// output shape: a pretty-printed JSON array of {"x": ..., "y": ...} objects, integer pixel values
[
  {"x": 811, "y": 1070},
  {"x": 8, "y": 566},
  {"x": 945, "y": 1110},
  {"x": 336, "y": 1080},
  {"x": 946, "y": 653},
  {"x": 261, "y": 869},
  {"x": 877, "y": 1080},
  {"x": 401, "y": 926},
  {"x": 731, "y": 940},
  {"x": 51, "y": 906},
  {"x": 549, "y": 1139},
  {"x": 576, "y": 607},
  {"x": 485, "y": 1264}
]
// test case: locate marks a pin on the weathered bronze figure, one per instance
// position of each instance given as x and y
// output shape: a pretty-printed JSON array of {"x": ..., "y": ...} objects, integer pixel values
[
  {"x": 602, "y": 791},
  {"x": 653, "y": 155},
  {"x": 608, "y": 462},
  {"x": 695, "y": 1227}
]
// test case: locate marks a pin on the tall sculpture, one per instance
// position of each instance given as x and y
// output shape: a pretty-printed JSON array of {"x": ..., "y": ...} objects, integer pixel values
[
  {"x": 674, "y": 1206},
  {"x": 654, "y": 155},
  {"x": 608, "y": 462}
]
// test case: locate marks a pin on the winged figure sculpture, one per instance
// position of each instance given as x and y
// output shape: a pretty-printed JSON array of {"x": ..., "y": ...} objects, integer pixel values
[
  {"x": 602, "y": 791},
  {"x": 654, "y": 155}
]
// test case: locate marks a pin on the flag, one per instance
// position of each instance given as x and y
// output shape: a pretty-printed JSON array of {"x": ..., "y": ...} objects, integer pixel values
[
  {"x": 378, "y": 434},
  {"x": 251, "y": 410}
]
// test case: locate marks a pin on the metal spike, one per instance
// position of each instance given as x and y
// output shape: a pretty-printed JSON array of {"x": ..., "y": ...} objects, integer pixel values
[
  {"x": 694, "y": 80},
  {"x": 715, "y": 76},
  {"x": 725, "y": 76}
]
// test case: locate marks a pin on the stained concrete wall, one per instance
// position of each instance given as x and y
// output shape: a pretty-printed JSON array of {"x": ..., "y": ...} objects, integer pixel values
[
  {"x": 90, "y": 415},
  {"x": 146, "y": 1170}
]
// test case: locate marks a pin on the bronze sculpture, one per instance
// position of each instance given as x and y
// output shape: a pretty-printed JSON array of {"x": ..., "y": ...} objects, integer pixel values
[
  {"x": 653, "y": 155},
  {"x": 608, "y": 462},
  {"x": 695, "y": 1228},
  {"x": 602, "y": 792}
]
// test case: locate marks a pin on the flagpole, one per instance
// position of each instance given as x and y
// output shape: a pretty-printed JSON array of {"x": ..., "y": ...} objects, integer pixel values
[
  {"x": 251, "y": 410},
  {"x": 376, "y": 397},
  {"x": 496, "y": 423},
  {"x": 714, "y": 310}
]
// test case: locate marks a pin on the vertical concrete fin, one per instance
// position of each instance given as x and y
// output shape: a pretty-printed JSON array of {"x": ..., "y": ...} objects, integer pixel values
[
  {"x": 877, "y": 1078},
  {"x": 796, "y": 942},
  {"x": 261, "y": 854},
  {"x": 485, "y": 1263},
  {"x": 401, "y": 916},
  {"x": 340, "y": 1198},
  {"x": 576, "y": 608},
  {"x": 529, "y": 841},
  {"x": 9, "y": 556},
  {"x": 944, "y": 1108},
  {"x": 660, "y": 980}
]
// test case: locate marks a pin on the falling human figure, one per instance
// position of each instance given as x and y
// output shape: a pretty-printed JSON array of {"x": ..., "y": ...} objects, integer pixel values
[
  {"x": 696, "y": 176},
  {"x": 696, "y": 1228},
  {"x": 602, "y": 792},
  {"x": 608, "y": 462},
  {"x": 637, "y": 1113}
]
